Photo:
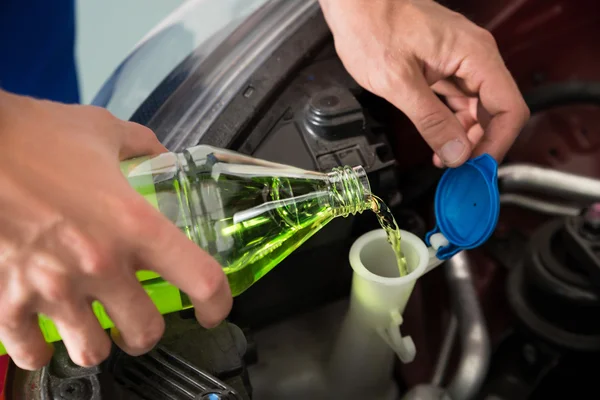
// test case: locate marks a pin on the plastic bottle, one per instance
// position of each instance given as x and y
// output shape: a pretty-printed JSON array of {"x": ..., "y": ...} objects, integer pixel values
[{"x": 249, "y": 214}]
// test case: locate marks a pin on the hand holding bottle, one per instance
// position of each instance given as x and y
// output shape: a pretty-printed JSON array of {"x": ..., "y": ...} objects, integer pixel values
[
  {"x": 72, "y": 231},
  {"x": 406, "y": 51}
]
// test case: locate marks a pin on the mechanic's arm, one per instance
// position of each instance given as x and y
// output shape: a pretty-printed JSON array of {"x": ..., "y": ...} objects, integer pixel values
[
  {"x": 72, "y": 231},
  {"x": 406, "y": 51}
]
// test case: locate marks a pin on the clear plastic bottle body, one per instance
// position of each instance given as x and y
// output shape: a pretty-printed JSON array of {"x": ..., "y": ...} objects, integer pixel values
[{"x": 249, "y": 214}]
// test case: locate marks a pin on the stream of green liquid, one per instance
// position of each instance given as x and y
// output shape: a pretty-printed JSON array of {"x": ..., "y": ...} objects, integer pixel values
[{"x": 388, "y": 223}]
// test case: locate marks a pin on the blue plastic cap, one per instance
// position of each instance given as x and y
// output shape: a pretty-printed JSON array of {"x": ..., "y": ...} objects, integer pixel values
[{"x": 467, "y": 205}]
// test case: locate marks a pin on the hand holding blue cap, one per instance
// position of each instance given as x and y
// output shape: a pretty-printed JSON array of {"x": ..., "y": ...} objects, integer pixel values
[{"x": 467, "y": 206}]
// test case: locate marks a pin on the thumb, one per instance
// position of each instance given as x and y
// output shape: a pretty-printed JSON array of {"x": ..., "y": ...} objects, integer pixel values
[
  {"x": 164, "y": 249},
  {"x": 137, "y": 141},
  {"x": 433, "y": 119}
]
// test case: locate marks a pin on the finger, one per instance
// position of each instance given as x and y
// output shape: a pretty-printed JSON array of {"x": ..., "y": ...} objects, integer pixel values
[
  {"x": 138, "y": 324},
  {"x": 436, "y": 122},
  {"x": 23, "y": 341},
  {"x": 465, "y": 109},
  {"x": 86, "y": 342},
  {"x": 482, "y": 115},
  {"x": 466, "y": 119},
  {"x": 19, "y": 328},
  {"x": 437, "y": 162},
  {"x": 137, "y": 140},
  {"x": 448, "y": 88},
  {"x": 459, "y": 98},
  {"x": 500, "y": 97},
  {"x": 475, "y": 133},
  {"x": 458, "y": 103},
  {"x": 163, "y": 248}
]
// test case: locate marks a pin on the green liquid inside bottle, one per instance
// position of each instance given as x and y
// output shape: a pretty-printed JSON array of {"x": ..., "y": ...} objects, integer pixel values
[
  {"x": 248, "y": 214},
  {"x": 266, "y": 218}
]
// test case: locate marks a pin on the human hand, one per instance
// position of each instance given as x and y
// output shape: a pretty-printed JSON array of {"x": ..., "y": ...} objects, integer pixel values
[
  {"x": 406, "y": 51},
  {"x": 72, "y": 230}
]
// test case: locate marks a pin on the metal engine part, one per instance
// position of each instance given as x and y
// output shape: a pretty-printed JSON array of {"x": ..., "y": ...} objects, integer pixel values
[
  {"x": 163, "y": 374},
  {"x": 190, "y": 363},
  {"x": 553, "y": 293},
  {"x": 555, "y": 296},
  {"x": 474, "y": 339}
]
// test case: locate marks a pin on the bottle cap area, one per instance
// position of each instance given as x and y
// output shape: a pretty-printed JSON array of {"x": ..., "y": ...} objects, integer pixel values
[{"x": 467, "y": 205}]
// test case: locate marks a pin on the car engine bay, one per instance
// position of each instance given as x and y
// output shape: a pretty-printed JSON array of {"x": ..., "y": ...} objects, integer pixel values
[{"x": 513, "y": 319}]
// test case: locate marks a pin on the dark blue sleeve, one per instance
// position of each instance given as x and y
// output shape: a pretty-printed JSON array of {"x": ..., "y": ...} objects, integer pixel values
[{"x": 37, "y": 49}]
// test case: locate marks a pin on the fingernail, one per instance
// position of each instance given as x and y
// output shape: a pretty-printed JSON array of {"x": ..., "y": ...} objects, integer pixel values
[{"x": 452, "y": 151}]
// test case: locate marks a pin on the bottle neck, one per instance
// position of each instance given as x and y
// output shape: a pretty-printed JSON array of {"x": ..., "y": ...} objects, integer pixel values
[{"x": 349, "y": 191}]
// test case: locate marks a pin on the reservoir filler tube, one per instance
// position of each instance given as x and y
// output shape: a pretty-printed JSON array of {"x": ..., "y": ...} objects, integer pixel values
[{"x": 370, "y": 337}]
